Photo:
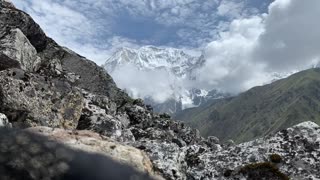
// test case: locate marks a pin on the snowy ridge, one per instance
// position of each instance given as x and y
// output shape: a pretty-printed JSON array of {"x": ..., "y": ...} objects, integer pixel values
[
  {"x": 150, "y": 58},
  {"x": 179, "y": 66}
]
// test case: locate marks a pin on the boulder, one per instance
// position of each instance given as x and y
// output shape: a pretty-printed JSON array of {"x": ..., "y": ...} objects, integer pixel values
[
  {"x": 17, "y": 47},
  {"x": 12, "y": 18},
  {"x": 28, "y": 155},
  {"x": 167, "y": 158},
  {"x": 30, "y": 100},
  {"x": 100, "y": 115},
  {"x": 92, "y": 142}
]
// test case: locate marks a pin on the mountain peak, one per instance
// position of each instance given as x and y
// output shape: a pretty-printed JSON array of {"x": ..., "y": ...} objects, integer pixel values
[{"x": 151, "y": 58}]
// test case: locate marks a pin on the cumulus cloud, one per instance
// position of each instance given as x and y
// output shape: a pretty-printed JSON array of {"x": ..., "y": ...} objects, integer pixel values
[
  {"x": 284, "y": 40},
  {"x": 229, "y": 65},
  {"x": 156, "y": 84},
  {"x": 291, "y": 38}
]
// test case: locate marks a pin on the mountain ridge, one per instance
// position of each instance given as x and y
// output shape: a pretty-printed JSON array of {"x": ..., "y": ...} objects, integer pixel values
[
  {"x": 150, "y": 58},
  {"x": 299, "y": 92},
  {"x": 169, "y": 62}
]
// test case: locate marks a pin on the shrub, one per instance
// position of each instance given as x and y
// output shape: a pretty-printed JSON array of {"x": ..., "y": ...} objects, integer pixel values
[
  {"x": 227, "y": 173},
  {"x": 138, "y": 102},
  {"x": 165, "y": 116},
  {"x": 265, "y": 169},
  {"x": 275, "y": 158}
]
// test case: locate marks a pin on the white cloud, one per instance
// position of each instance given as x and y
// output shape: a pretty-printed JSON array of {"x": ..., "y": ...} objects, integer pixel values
[
  {"x": 251, "y": 49},
  {"x": 156, "y": 84},
  {"x": 90, "y": 23},
  {"x": 230, "y": 8},
  {"x": 291, "y": 38},
  {"x": 229, "y": 65}
]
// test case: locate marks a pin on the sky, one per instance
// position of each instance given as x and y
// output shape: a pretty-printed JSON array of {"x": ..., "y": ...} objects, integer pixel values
[
  {"x": 96, "y": 28},
  {"x": 244, "y": 42}
]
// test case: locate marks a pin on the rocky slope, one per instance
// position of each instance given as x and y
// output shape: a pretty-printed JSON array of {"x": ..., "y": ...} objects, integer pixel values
[
  {"x": 262, "y": 110},
  {"x": 82, "y": 109}
]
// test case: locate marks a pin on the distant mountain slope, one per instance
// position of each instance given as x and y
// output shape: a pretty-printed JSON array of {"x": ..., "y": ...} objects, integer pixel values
[{"x": 260, "y": 111}]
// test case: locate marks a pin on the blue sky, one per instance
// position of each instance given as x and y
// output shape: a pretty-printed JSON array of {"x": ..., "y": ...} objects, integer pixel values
[{"x": 92, "y": 26}]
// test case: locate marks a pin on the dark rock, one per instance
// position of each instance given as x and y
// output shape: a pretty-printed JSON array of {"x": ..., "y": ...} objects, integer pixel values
[
  {"x": 6, "y": 62},
  {"x": 14, "y": 18},
  {"x": 28, "y": 100}
]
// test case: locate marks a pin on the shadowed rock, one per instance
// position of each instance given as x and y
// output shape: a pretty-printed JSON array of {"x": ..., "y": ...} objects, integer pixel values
[
  {"x": 27, "y": 156},
  {"x": 6, "y": 62}
]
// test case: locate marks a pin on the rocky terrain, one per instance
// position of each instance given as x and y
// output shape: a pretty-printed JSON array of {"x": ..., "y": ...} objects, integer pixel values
[{"x": 67, "y": 108}]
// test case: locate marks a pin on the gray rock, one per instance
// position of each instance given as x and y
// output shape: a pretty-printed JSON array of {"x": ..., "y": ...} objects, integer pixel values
[
  {"x": 17, "y": 46},
  {"x": 12, "y": 18},
  {"x": 88, "y": 75},
  {"x": 99, "y": 115},
  {"x": 30, "y": 100},
  {"x": 166, "y": 157},
  {"x": 288, "y": 144},
  {"x": 6, "y": 62},
  {"x": 213, "y": 140},
  {"x": 57, "y": 60}
]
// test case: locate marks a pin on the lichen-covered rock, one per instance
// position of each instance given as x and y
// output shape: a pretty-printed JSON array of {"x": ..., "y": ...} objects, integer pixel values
[
  {"x": 298, "y": 147},
  {"x": 100, "y": 115},
  {"x": 30, "y": 100},
  {"x": 17, "y": 46},
  {"x": 12, "y": 18},
  {"x": 167, "y": 158}
]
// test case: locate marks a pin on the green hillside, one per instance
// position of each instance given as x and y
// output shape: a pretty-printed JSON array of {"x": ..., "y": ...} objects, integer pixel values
[{"x": 261, "y": 110}]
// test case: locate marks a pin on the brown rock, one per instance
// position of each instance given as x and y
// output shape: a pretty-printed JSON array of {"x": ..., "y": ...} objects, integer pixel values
[{"x": 93, "y": 142}]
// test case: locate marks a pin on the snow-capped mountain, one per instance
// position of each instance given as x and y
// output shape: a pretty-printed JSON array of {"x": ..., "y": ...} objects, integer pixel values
[
  {"x": 178, "y": 67},
  {"x": 173, "y": 60}
]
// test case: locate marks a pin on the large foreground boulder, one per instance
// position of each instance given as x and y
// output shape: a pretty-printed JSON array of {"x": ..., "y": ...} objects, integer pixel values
[
  {"x": 29, "y": 156},
  {"x": 92, "y": 142},
  {"x": 30, "y": 100}
]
